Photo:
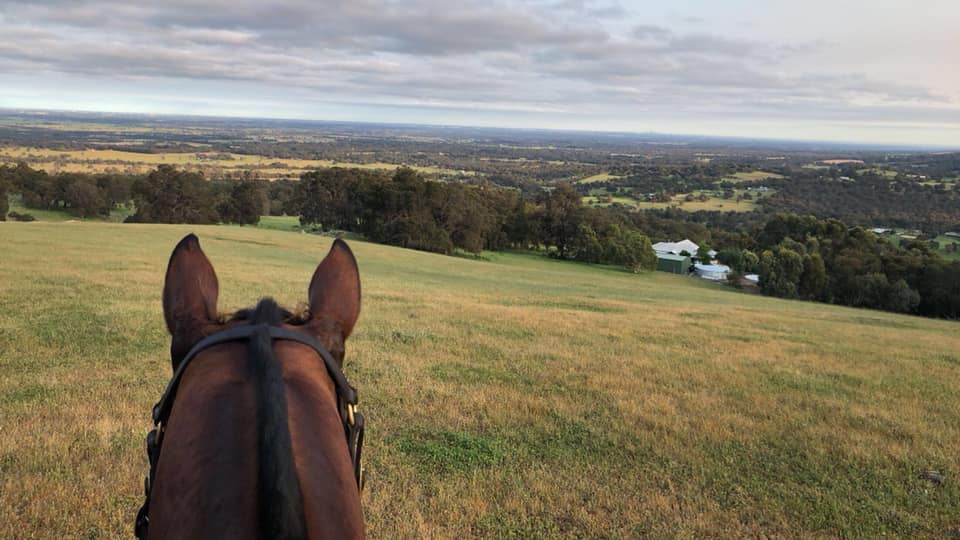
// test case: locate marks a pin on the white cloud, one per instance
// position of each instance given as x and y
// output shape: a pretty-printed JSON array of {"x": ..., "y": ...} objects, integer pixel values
[{"x": 561, "y": 61}]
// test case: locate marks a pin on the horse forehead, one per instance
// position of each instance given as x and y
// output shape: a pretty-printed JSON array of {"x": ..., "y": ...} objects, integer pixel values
[{"x": 218, "y": 364}]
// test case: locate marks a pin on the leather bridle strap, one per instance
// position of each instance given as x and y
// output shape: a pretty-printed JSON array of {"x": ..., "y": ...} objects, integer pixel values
[
  {"x": 353, "y": 422},
  {"x": 161, "y": 411}
]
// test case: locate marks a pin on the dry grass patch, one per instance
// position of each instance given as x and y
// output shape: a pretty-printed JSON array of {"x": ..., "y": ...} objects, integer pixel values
[
  {"x": 214, "y": 163},
  {"x": 516, "y": 396}
]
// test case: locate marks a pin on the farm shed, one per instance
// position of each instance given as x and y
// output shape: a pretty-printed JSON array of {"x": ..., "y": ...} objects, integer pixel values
[
  {"x": 716, "y": 272},
  {"x": 675, "y": 264},
  {"x": 676, "y": 247}
]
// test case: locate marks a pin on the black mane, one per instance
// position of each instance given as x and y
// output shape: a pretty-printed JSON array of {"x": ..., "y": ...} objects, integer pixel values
[{"x": 279, "y": 501}]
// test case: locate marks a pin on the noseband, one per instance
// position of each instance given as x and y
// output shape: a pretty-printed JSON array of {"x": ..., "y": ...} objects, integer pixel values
[{"x": 346, "y": 402}]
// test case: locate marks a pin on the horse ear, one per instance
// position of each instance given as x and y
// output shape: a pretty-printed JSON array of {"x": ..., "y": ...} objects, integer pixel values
[
  {"x": 190, "y": 289},
  {"x": 334, "y": 292}
]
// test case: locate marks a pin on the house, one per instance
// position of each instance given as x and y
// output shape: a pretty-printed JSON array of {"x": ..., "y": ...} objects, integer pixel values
[
  {"x": 881, "y": 230},
  {"x": 952, "y": 234},
  {"x": 676, "y": 248},
  {"x": 675, "y": 264},
  {"x": 715, "y": 272}
]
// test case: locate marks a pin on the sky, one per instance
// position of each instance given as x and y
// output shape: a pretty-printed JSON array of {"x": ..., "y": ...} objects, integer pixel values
[{"x": 873, "y": 71}]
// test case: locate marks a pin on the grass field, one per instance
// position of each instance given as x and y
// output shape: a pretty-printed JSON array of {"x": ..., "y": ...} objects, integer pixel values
[
  {"x": 117, "y": 215},
  {"x": 602, "y": 177},
  {"x": 712, "y": 203},
  {"x": 510, "y": 397},
  {"x": 942, "y": 240},
  {"x": 100, "y": 160},
  {"x": 752, "y": 176}
]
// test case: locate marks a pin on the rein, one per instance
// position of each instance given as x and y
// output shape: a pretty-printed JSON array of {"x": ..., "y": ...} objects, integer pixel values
[{"x": 346, "y": 403}]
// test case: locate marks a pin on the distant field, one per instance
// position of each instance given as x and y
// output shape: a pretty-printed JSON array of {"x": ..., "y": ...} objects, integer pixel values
[
  {"x": 841, "y": 161},
  {"x": 117, "y": 215},
  {"x": 712, "y": 203},
  {"x": 603, "y": 177},
  {"x": 942, "y": 240},
  {"x": 595, "y": 201},
  {"x": 99, "y": 160},
  {"x": 877, "y": 170},
  {"x": 753, "y": 175},
  {"x": 516, "y": 397}
]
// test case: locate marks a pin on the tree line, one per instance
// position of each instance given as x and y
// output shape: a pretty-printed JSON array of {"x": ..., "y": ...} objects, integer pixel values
[
  {"x": 408, "y": 210},
  {"x": 869, "y": 199},
  {"x": 801, "y": 257},
  {"x": 825, "y": 260},
  {"x": 165, "y": 195},
  {"x": 401, "y": 208}
]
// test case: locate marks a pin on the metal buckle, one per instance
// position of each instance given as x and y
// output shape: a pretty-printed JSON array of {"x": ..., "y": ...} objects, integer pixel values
[{"x": 351, "y": 409}]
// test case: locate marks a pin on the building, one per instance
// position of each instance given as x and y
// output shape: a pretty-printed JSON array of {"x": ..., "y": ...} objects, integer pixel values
[
  {"x": 715, "y": 272},
  {"x": 676, "y": 248},
  {"x": 675, "y": 264}
]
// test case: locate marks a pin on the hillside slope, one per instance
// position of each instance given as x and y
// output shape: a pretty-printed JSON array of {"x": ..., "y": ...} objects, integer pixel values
[{"x": 511, "y": 396}]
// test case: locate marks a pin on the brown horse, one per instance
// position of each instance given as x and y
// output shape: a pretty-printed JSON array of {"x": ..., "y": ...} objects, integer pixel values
[{"x": 253, "y": 445}]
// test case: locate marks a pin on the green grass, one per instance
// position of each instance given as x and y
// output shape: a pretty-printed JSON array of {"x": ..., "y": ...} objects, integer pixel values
[
  {"x": 595, "y": 201},
  {"x": 515, "y": 396},
  {"x": 280, "y": 223},
  {"x": 943, "y": 240},
  {"x": 877, "y": 170},
  {"x": 117, "y": 215},
  {"x": 711, "y": 204},
  {"x": 602, "y": 177},
  {"x": 753, "y": 176}
]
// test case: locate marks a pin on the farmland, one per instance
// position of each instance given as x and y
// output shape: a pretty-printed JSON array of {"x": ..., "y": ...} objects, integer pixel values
[
  {"x": 602, "y": 177},
  {"x": 507, "y": 396},
  {"x": 710, "y": 203},
  {"x": 753, "y": 176},
  {"x": 216, "y": 163}
]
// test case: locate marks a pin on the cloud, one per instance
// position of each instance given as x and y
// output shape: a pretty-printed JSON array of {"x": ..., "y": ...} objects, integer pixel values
[{"x": 557, "y": 57}]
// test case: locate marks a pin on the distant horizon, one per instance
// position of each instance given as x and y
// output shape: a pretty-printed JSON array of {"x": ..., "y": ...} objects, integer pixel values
[{"x": 843, "y": 145}]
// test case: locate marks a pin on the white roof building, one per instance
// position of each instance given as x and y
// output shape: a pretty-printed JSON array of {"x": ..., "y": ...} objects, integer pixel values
[
  {"x": 716, "y": 272},
  {"x": 676, "y": 247}
]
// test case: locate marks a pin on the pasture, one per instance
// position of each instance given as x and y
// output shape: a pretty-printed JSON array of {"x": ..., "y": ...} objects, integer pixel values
[
  {"x": 713, "y": 203},
  {"x": 602, "y": 177},
  {"x": 751, "y": 176},
  {"x": 514, "y": 396},
  {"x": 118, "y": 161}
]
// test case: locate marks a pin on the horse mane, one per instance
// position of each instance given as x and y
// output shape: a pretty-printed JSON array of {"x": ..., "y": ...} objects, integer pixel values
[{"x": 279, "y": 501}]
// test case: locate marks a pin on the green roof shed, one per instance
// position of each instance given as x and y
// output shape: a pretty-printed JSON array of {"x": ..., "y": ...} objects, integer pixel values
[{"x": 676, "y": 264}]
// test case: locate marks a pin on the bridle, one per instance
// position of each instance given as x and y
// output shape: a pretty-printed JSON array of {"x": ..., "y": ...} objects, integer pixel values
[{"x": 346, "y": 402}]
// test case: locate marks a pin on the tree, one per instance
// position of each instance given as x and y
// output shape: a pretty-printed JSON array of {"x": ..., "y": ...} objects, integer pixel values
[
  {"x": 586, "y": 245},
  {"x": 732, "y": 258},
  {"x": 901, "y": 298},
  {"x": 639, "y": 252},
  {"x": 703, "y": 254},
  {"x": 562, "y": 210},
  {"x": 518, "y": 226},
  {"x": 780, "y": 271},
  {"x": 813, "y": 280},
  {"x": 247, "y": 201},
  {"x": 4, "y": 190},
  {"x": 169, "y": 195},
  {"x": 82, "y": 198}
]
